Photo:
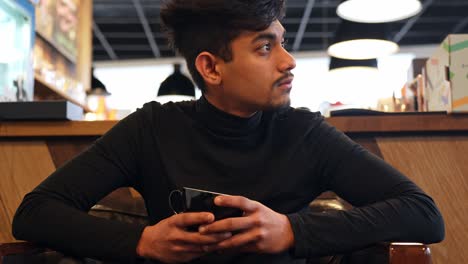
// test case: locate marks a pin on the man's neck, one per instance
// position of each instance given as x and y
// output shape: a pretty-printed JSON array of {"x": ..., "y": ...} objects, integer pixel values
[{"x": 224, "y": 105}]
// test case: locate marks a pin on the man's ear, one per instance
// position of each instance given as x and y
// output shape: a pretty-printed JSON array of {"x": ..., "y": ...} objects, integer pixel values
[{"x": 207, "y": 65}]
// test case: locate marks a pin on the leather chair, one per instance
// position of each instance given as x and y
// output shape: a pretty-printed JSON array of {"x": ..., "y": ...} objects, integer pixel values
[
  {"x": 381, "y": 253},
  {"x": 119, "y": 206},
  {"x": 392, "y": 253}
]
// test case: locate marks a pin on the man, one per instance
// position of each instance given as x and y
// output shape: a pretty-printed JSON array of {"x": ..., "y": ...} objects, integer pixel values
[{"x": 240, "y": 138}]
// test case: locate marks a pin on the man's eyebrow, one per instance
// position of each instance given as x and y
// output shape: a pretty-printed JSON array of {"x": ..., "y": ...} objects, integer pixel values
[{"x": 268, "y": 36}]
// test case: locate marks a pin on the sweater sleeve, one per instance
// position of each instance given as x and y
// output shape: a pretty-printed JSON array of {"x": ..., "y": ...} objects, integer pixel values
[
  {"x": 55, "y": 215},
  {"x": 387, "y": 205}
]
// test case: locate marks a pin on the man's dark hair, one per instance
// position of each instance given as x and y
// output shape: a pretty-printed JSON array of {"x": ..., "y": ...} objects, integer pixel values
[{"x": 194, "y": 26}]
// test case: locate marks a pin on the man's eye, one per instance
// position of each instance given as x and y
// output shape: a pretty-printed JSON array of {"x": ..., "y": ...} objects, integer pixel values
[{"x": 266, "y": 47}]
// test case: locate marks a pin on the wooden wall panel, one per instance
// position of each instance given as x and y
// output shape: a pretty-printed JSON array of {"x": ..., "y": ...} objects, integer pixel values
[
  {"x": 123, "y": 199},
  {"x": 23, "y": 165},
  {"x": 370, "y": 144},
  {"x": 64, "y": 149},
  {"x": 439, "y": 165}
]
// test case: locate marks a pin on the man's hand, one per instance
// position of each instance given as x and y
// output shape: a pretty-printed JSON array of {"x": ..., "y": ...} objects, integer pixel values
[
  {"x": 170, "y": 242},
  {"x": 260, "y": 230}
]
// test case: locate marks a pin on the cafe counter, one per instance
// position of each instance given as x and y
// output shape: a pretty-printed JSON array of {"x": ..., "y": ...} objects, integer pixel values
[
  {"x": 393, "y": 123},
  {"x": 431, "y": 149}
]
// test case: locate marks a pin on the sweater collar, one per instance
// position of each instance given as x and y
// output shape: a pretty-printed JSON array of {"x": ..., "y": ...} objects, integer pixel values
[{"x": 218, "y": 120}]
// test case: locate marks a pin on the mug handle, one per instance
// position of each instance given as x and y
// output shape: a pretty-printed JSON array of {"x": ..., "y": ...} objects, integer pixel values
[{"x": 171, "y": 198}]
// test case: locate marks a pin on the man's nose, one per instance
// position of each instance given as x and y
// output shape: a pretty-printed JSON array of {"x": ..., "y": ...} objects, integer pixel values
[{"x": 287, "y": 61}]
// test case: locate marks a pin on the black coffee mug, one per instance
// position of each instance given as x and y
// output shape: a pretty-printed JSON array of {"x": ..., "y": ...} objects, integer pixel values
[{"x": 195, "y": 200}]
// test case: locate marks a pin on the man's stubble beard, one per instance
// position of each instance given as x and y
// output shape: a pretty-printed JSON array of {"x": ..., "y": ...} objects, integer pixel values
[{"x": 274, "y": 107}]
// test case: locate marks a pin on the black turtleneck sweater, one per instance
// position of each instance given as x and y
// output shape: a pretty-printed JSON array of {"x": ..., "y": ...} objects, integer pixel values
[{"x": 283, "y": 159}]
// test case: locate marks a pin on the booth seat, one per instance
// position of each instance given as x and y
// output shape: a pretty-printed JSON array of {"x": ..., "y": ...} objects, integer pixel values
[{"x": 131, "y": 209}]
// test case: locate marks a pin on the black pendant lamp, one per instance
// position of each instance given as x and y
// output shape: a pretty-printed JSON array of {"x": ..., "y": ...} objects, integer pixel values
[
  {"x": 97, "y": 87},
  {"x": 353, "y": 69},
  {"x": 360, "y": 41},
  {"x": 338, "y": 63},
  {"x": 177, "y": 84}
]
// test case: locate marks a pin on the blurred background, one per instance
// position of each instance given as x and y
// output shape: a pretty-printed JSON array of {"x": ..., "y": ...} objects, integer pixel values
[
  {"x": 111, "y": 56},
  {"x": 131, "y": 54}
]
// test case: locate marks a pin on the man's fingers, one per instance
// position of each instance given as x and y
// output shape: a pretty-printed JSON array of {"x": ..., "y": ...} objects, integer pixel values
[
  {"x": 191, "y": 219},
  {"x": 245, "y": 241},
  {"x": 197, "y": 238},
  {"x": 228, "y": 225},
  {"x": 240, "y": 202},
  {"x": 233, "y": 224},
  {"x": 187, "y": 248}
]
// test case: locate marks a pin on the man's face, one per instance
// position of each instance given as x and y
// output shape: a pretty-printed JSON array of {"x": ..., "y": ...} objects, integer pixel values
[{"x": 259, "y": 75}]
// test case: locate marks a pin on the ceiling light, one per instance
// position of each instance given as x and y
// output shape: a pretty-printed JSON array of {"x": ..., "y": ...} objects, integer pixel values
[
  {"x": 359, "y": 49},
  {"x": 360, "y": 41},
  {"x": 378, "y": 11},
  {"x": 353, "y": 70},
  {"x": 354, "y": 81}
]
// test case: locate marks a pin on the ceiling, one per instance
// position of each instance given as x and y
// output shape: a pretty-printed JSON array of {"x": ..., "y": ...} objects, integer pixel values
[{"x": 130, "y": 29}]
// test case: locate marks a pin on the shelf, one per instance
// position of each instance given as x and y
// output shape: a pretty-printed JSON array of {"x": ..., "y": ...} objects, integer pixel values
[
  {"x": 44, "y": 90},
  {"x": 432, "y": 123},
  {"x": 54, "y": 128},
  {"x": 422, "y": 122}
]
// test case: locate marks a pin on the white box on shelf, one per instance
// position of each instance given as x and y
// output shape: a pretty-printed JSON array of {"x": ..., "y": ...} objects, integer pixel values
[{"x": 447, "y": 75}]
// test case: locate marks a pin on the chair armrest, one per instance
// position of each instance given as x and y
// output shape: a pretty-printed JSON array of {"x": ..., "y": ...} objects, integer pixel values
[
  {"x": 29, "y": 253},
  {"x": 381, "y": 253},
  {"x": 415, "y": 253},
  {"x": 16, "y": 248},
  {"x": 391, "y": 253},
  {"x": 20, "y": 252}
]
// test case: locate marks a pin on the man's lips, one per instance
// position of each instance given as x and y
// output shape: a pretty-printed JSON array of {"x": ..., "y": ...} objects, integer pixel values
[
  {"x": 285, "y": 84},
  {"x": 287, "y": 81}
]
